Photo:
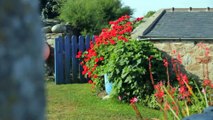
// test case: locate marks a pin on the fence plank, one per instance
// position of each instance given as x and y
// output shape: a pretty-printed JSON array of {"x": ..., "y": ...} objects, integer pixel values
[
  {"x": 93, "y": 39},
  {"x": 81, "y": 48},
  {"x": 74, "y": 59},
  {"x": 58, "y": 53},
  {"x": 67, "y": 46},
  {"x": 87, "y": 42}
]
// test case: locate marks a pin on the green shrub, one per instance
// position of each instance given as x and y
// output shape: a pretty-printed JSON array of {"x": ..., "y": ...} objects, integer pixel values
[
  {"x": 90, "y": 16},
  {"x": 128, "y": 69}
]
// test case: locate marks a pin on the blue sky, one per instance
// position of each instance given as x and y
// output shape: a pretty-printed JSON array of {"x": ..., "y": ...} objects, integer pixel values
[{"x": 141, "y": 7}]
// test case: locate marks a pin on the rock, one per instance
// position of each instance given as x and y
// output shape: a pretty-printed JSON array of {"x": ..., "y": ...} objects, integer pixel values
[
  {"x": 206, "y": 115},
  {"x": 50, "y": 22},
  {"x": 51, "y": 42},
  {"x": 58, "y": 28},
  {"x": 106, "y": 97},
  {"x": 102, "y": 94},
  {"x": 47, "y": 29},
  {"x": 50, "y": 38}
]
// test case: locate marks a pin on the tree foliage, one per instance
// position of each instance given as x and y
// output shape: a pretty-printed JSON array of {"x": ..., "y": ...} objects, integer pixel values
[
  {"x": 49, "y": 8},
  {"x": 149, "y": 14},
  {"x": 90, "y": 16}
]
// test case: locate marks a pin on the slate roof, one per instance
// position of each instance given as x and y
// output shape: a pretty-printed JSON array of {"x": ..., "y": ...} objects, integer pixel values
[{"x": 181, "y": 23}]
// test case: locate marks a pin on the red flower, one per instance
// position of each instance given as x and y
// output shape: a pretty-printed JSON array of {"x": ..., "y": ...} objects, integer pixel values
[
  {"x": 95, "y": 76},
  {"x": 182, "y": 89},
  {"x": 89, "y": 74},
  {"x": 182, "y": 79},
  {"x": 207, "y": 51},
  {"x": 211, "y": 86},
  {"x": 90, "y": 82},
  {"x": 159, "y": 94},
  {"x": 79, "y": 54},
  {"x": 158, "y": 86},
  {"x": 179, "y": 58},
  {"x": 165, "y": 62},
  {"x": 173, "y": 51},
  {"x": 184, "y": 92},
  {"x": 86, "y": 59},
  {"x": 139, "y": 18},
  {"x": 133, "y": 100},
  {"x": 121, "y": 32},
  {"x": 111, "y": 22},
  {"x": 81, "y": 63},
  {"x": 185, "y": 78},
  {"x": 96, "y": 60},
  {"x": 101, "y": 58},
  {"x": 159, "y": 91},
  {"x": 206, "y": 82},
  {"x": 85, "y": 69},
  {"x": 112, "y": 42},
  {"x": 84, "y": 72}
]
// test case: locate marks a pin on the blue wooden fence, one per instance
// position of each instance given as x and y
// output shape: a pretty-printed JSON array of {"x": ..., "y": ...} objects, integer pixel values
[{"x": 67, "y": 67}]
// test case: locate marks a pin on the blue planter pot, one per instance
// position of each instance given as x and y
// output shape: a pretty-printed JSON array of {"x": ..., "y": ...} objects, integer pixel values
[{"x": 108, "y": 85}]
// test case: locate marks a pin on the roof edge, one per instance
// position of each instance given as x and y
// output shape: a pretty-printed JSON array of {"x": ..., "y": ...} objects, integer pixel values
[
  {"x": 190, "y": 9},
  {"x": 143, "y": 28},
  {"x": 150, "y": 38}
]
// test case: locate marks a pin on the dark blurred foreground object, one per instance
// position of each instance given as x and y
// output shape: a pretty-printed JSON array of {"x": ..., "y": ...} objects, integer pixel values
[
  {"x": 206, "y": 115},
  {"x": 21, "y": 70}
]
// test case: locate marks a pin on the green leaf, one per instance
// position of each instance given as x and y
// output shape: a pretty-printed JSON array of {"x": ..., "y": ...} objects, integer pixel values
[
  {"x": 119, "y": 85},
  {"x": 125, "y": 72},
  {"x": 138, "y": 61},
  {"x": 128, "y": 79}
]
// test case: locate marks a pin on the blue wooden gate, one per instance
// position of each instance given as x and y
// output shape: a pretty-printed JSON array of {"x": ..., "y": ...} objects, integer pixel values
[{"x": 67, "y": 67}]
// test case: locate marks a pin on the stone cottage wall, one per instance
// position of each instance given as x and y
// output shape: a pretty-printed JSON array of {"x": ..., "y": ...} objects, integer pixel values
[{"x": 189, "y": 52}]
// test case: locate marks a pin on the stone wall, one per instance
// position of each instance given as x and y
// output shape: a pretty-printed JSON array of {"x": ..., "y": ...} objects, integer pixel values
[{"x": 189, "y": 52}]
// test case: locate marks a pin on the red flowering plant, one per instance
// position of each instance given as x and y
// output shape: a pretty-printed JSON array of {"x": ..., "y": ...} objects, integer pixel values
[
  {"x": 123, "y": 59},
  {"x": 185, "y": 98},
  {"x": 96, "y": 57},
  {"x": 137, "y": 21}
]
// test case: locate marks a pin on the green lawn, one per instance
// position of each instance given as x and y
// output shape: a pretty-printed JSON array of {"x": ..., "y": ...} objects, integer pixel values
[{"x": 77, "y": 102}]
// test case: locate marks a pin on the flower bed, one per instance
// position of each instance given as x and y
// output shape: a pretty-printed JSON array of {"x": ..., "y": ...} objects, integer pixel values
[{"x": 139, "y": 72}]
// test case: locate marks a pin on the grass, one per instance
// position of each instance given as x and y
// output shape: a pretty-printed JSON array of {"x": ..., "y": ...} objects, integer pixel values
[{"x": 77, "y": 102}]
